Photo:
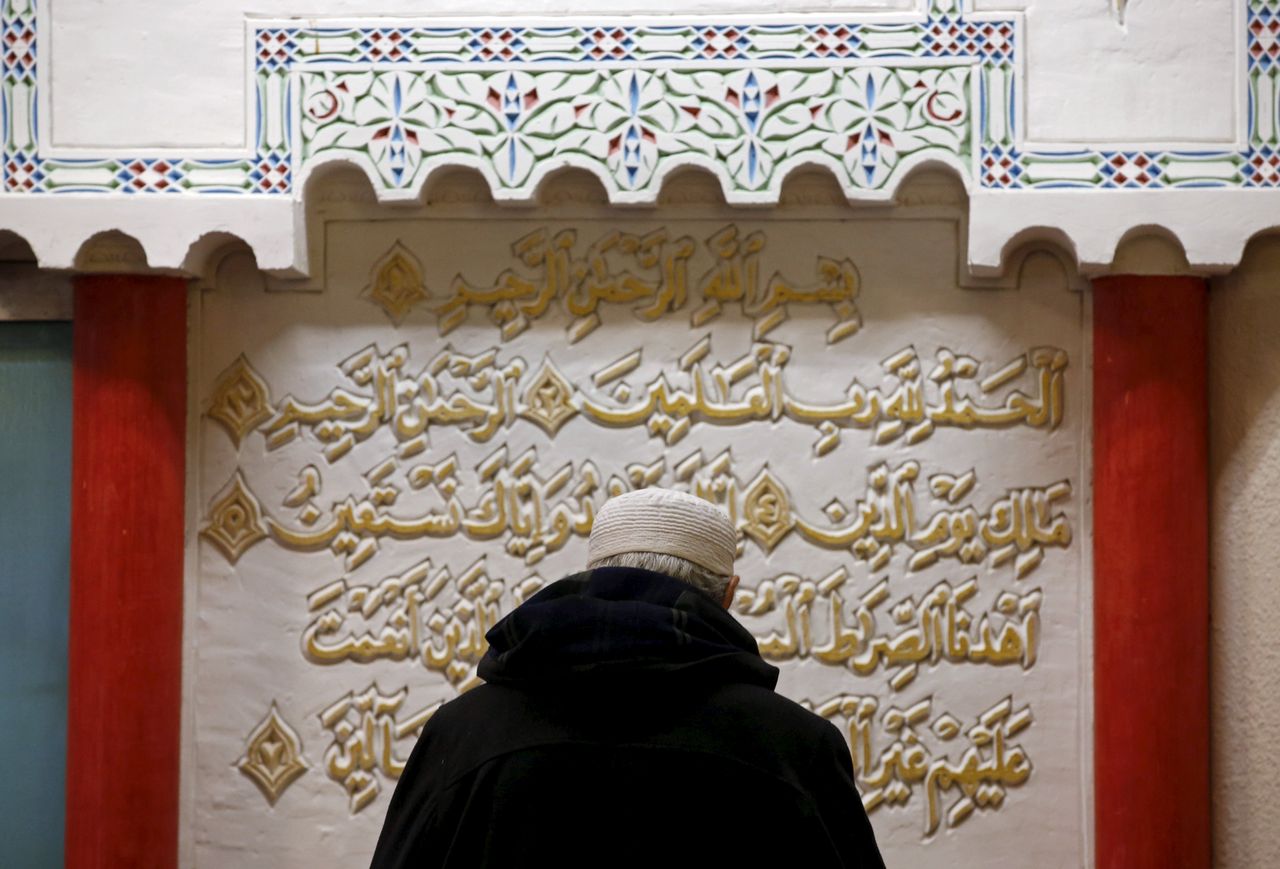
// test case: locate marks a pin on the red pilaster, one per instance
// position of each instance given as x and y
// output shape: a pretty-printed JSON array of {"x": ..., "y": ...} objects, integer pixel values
[
  {"x": 128, "y": 448},
  {"x": 1151, "y": 587}
]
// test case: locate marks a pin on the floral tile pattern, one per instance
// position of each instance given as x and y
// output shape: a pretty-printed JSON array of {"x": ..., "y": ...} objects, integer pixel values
[{"x": 867, "y": 99}]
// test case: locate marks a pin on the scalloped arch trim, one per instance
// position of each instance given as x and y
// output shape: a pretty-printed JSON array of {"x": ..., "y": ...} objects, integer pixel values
[{"x": 635, "y": 102}]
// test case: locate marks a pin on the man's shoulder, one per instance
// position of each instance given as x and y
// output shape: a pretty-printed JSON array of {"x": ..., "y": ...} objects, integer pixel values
[
  {"x": 762, "y": 707},
  {"x": 486, "y": 721},
  {"x": 745, "y": 729},
  {"x": 757, "y": 705},
  {"x": 478, "y": 713},
  {"x": 786, "y": 711},
  {"x": 734, "y": 716},
  {"x": 477, "y": 700}
]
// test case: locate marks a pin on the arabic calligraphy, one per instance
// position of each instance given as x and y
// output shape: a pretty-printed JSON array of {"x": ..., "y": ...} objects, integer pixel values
[
  {"x": 427, "y": 614},
  {"x": 367, "y": 728},
  {"x": 892, "y": 757},
  {"x": 420, "y": 619},
  {"x": 987, "y": 767},
  {"x": 651, "y": 273},
  {"x": 539, "y": 513},
  {"x": 483, "y": 395},
  {"x": 938, "y": 627},
  {"x": 903, "y": 485}
]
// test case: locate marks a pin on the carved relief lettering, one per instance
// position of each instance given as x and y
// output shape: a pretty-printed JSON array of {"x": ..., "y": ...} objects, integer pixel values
[{"x": 417, "y": 450}]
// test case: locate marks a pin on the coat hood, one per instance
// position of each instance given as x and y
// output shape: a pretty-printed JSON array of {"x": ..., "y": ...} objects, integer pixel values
[{"x": 621, "y": 624}]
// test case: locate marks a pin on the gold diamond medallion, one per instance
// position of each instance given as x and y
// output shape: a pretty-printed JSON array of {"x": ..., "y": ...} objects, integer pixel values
[
  {"x": 273, "y": 756},
  {"x": 766, "y": 510},
  {"x": 241, "y": 399},
  {"x": 548, "y": 401},
  {"x": 235, "y": 519},
  {"x": 396, "y": 284}
]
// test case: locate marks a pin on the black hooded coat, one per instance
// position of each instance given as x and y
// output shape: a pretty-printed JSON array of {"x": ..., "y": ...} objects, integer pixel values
[{"x": 627, "y": 720}]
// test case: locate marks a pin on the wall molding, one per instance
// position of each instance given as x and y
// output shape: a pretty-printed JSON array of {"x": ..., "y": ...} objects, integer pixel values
[{"x": 868, "y": 97}]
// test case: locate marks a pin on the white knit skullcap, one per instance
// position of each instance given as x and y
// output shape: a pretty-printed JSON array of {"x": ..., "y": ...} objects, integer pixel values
[{"x": 665, "y": 521}]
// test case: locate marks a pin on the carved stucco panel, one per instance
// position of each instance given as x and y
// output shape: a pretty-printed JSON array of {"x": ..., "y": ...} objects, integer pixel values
[{"x": 903, "y": 459}]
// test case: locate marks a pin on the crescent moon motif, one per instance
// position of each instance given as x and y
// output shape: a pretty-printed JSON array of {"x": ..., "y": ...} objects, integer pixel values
[
  {"x": 933, "y": 113},
  {"x": 324, "y": 105}
]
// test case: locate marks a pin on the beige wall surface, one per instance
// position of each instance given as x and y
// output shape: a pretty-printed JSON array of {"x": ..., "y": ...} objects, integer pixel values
[{"x": 1244, "y": 373}]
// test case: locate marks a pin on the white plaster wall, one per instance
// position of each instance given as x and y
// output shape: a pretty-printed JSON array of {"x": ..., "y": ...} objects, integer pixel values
[
  {"x": 1244, "y": 381},
  {"x": 1158, "y": 77},
  {"x": 1097, "y": 75}
]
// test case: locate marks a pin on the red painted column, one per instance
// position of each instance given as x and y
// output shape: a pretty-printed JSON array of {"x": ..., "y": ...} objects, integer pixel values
[
  {"x": 1151, "y": 586},
  {"x": 125, "y": 657}
]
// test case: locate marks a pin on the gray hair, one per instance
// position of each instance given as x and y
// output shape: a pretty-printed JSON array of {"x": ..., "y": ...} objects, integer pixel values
[{"x": 699, "y": 577}]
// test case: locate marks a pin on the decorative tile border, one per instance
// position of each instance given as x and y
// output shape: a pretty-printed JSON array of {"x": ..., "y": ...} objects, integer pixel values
[{"x": 867, "y": 99}]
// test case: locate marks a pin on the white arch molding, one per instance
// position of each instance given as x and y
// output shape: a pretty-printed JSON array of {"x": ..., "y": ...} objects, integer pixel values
[{"x": 868, "y": 97}]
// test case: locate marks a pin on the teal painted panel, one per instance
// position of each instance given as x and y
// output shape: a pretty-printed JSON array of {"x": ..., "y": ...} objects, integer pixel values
[{"x": 35, "y": 537}]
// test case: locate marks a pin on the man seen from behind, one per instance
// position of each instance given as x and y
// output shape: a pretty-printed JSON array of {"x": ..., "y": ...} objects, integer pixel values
[{"x": 628, "y": 720}]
